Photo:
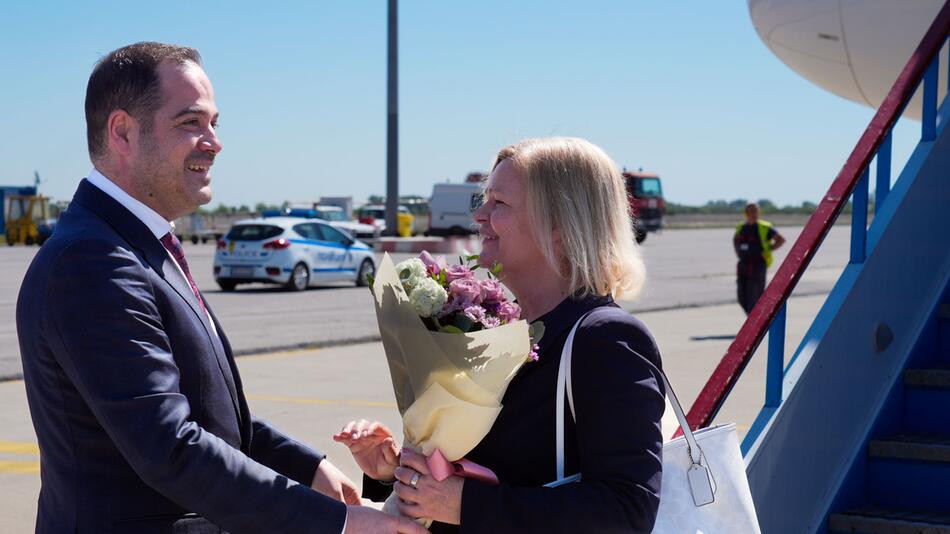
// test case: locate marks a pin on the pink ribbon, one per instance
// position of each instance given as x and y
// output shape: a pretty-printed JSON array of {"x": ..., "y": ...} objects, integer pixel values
[{"x": 441, "y": 469}]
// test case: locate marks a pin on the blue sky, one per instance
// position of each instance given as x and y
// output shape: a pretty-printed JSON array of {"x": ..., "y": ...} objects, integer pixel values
[{"x": 685, "y": 89}]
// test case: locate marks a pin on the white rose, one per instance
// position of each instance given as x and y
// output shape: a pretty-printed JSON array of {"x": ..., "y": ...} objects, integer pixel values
[
  {"x": 428, "y": 297},
  {"x": 411, "y": 272}
]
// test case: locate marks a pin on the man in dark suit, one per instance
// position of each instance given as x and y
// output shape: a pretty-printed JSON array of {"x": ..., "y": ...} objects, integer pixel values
[{"x": 137, "y": 403}]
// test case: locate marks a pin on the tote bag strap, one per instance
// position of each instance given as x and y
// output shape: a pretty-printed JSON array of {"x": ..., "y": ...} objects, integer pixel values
[
  {"x": 564, "y": 389},
  {"x": 564, "y": 385}
]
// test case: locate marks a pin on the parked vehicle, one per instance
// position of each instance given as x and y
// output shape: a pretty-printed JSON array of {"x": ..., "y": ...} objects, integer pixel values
[
  {"x": 295, "y": 252},
  {"x": 452, "y": 206},
  {"x": 197, "y": 229},
  {"x": 375, "y": 214},
  {"x": 28, "y": 220},
  {"x": 8, "y": 190},
  {"x": 646, "y": 202},
  {"x": 344, "y": 203},
  {"x": 419, "y": 208},
  {"x": 333, "y": 215}
]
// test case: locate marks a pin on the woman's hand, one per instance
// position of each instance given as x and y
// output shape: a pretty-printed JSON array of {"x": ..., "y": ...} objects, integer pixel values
[
  {"x": 372, "y": 446},
  {"x": 429, "y": 498}
]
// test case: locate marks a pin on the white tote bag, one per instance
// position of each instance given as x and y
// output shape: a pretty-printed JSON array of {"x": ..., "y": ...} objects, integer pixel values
[{"x": 704, "y": 489}]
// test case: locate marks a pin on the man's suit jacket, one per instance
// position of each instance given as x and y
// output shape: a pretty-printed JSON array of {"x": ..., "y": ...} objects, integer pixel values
[{"x": 137, "y": 404}]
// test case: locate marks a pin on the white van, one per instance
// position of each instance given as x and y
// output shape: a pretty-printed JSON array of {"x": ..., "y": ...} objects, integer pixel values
[{"x": 451, "y": 208}]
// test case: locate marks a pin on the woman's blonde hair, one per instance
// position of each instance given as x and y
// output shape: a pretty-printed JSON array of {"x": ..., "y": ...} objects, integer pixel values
[{"x": 573, "y": 186}]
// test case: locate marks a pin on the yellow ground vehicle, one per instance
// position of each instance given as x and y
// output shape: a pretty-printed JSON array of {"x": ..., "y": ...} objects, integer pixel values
[
  {"x": 375, "y": 214},
  {"x": 26, "y": 218},
  {"x": 404, "y": 220}
]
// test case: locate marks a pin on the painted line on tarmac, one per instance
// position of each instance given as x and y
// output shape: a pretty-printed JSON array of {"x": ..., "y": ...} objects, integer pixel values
[
  {"x": 322, "y": 402},
  {"x": 19, "y": 447},
  {"x": 22, "y": 468}
]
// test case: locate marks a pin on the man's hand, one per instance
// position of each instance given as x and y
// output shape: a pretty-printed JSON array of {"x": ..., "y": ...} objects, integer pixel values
[
  {"x": 372, "y": 446},
  {"x": 360, "y": 520},
  {"x": 329, "y": 481}
]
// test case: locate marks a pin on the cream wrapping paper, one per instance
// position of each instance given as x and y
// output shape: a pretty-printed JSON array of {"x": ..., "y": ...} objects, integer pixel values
[{"x": 448, "y": 386}]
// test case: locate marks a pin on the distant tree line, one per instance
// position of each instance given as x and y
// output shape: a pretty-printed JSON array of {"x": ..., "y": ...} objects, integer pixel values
[
  {"x": 672, "y": 208},
  {"x": 738, "y": 205}
]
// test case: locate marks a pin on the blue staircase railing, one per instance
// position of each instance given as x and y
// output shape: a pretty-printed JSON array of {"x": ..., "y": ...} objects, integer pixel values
[
  {"x": 775, "y": 366},
  {"x": 769, "y": 314}
]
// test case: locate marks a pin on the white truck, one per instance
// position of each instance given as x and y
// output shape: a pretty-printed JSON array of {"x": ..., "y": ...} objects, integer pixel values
[{"x": 451, "y": 208}]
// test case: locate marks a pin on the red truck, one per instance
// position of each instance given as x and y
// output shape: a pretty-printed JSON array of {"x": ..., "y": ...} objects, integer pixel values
[{"x": 646, "y": 202}]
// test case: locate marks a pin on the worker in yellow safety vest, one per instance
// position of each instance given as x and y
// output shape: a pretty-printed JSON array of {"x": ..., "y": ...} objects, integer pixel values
[{"x": 754, "y": 242}]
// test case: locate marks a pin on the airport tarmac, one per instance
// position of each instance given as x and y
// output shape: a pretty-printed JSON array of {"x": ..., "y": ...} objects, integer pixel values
[
  {"x": 312, "y": 393},
  {"x": 694, "y": 267},
  {"x": 688, "y": 304}
]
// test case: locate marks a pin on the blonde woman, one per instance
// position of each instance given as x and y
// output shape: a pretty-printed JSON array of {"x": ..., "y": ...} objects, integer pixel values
[{"x": 556, "y": 217}]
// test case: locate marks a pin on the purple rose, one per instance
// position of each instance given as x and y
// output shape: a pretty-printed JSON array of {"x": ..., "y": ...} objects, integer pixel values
[
  {"x": 453, "y": 305},
  {"x": 458, "y": 272},
  {"x": 468, "y": 290},
  {"x": 493, "y": 291},
  {"x": 508, "y": 312},
  {"x": 490, "y": 322},
  {"x": 475, "y": 313},
  {"x": 433, "y": 265}
]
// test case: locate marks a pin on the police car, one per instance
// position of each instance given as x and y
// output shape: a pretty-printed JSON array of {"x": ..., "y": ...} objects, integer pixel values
[{"x": 293, "y": 251}]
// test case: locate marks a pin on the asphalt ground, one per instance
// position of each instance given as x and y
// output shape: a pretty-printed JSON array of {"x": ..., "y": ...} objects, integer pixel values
[
  {"x": 686, "y": 268},
  {"x": 310, "y": 394}
]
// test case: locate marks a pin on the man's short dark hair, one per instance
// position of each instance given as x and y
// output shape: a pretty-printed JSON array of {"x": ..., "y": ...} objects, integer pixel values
[{"x": 127, "y": 78}]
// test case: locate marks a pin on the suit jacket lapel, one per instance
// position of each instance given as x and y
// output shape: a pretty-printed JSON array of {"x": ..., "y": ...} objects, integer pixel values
[
  {"x": 174, "y": 277},
  {"x": 179, "y": 283},
  {"x": 240, "y": 400},
  {"x": 139, "y": 236}
]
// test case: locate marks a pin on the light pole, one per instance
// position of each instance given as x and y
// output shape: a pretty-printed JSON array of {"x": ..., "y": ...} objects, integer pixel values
[{"x": 392, "y": 126}]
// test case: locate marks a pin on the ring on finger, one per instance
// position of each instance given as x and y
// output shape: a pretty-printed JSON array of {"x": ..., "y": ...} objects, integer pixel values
[{"x": 414, "y": 480}]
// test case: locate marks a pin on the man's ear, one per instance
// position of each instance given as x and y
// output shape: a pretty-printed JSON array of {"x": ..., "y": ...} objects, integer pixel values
[{"x": 122, "y": 132}]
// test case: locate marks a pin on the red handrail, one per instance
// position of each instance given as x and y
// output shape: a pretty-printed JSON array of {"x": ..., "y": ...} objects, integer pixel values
[{"x": 727, "y": 373}]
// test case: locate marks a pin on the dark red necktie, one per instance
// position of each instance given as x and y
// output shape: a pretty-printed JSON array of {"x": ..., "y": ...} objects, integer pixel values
[{"x": 174, "y": 246}]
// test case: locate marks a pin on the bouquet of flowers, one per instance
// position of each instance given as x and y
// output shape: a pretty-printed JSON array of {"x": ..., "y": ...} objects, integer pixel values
[
  {"x": 451, "y": 299},
  {"x": 453, "y": 343}
]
